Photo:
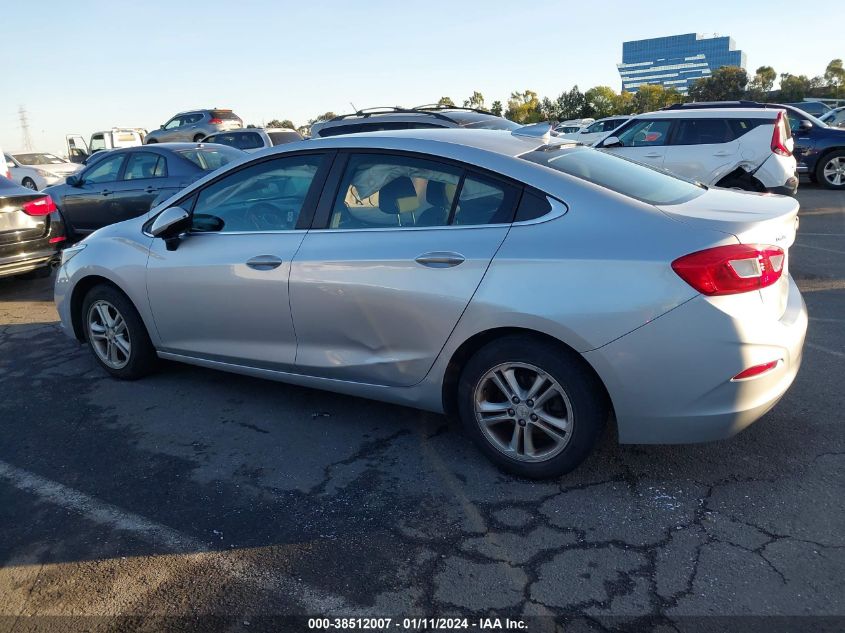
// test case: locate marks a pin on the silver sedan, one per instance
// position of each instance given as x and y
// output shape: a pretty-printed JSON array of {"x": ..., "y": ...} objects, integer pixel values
[{"x": 529, "y": 288}]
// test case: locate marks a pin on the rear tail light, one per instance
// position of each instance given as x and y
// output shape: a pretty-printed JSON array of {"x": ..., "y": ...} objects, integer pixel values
[
  {"x": 779, "y": 137},
  {"x": 57, "y": 239},
  {"x": 41, "y": 206},
  {"x": 216, "y": 121},
  {"x": 751, "y": 372},
  {"x": 727, "y": 270}
]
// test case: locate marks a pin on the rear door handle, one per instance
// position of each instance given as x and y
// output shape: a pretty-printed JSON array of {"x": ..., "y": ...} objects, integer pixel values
[
  {"x": 150, "y": 190},
  {"x": 723, "y": 154},
  {"x": 440, "y": 259},
  {"x": 264, "y": 262},
  {"x": 106, "y": 192}
]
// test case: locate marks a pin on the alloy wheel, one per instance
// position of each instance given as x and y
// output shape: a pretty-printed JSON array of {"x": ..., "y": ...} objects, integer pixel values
[
  {"x": 523, "y": 412},
  {"x": 109, "y": 335},
  {"x": 834, "y": 171}
]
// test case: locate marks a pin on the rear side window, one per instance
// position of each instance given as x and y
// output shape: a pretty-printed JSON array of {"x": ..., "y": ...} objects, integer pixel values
[
  {"x": 144, "y": 165},
  {"x": 702, "y": 132},
  {"x": 485, "y": 201},
  {"x": 618, "y": 174},
  {"x": 533, "y": 205}
]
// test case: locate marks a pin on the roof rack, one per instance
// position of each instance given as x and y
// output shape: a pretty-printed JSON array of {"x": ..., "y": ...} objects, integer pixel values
[
  {"x": 740, "y": 103},
  {"x": 443, "y": 106},
  {"x": 368, "y": 112}
]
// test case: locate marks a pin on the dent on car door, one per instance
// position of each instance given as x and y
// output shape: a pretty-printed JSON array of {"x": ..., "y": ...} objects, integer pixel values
[
  {"x": 644, "y": 140},
  {"x": 222, "y": 294},
  {"x": 403, "y": 245},
  {"x": 92, "y": 203}
]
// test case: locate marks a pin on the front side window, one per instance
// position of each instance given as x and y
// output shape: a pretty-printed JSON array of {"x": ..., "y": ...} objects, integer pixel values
[
  {"x": 145, "y": 165},
  {"x": 209, "y": 159},
  {"x": 173, "y": 123},
  {"x": 105, "y": 170},
  {"x": 645, "y": 133},
  {"x": 394, "y": 191},
  {"x": 267, "y": 196}
]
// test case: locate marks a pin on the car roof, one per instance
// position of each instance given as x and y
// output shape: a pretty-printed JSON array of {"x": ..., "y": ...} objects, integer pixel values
[
  {"x": 456, "y": 115},
  {"x": 708, "y": 113}
]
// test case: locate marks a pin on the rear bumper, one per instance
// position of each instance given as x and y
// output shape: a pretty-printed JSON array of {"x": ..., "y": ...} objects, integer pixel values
[
  {"x": 788, "y": 189},
  {"x": 670, "y": 380},
  {"x": 29, "y": 261}
]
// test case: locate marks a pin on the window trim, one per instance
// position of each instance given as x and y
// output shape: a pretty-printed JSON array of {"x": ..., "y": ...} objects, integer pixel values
[{"x": 331, "y": 188}]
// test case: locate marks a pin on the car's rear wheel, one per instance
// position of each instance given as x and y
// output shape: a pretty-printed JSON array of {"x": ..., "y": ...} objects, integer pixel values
[
  {"x": 150, "y": 141},
  {"x": 830, "y": 171},
  {"x": 29, "y": 183},
  {"x": 535, "y": 409},
  {"x": 116, "y": 334},
  {"x": 198, "y": 138}
]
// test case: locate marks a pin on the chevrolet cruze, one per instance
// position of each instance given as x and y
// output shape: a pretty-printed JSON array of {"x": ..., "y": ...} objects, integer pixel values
[{"x": 528, "y": 287}]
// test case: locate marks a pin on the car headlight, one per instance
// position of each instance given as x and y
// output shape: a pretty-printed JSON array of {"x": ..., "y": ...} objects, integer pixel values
[
  {"x": 45, "y": 174},
  {"x": 71, "y": 251}
]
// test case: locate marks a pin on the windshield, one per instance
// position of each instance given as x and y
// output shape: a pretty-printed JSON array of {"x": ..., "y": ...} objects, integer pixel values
[
  {"x": 794, "y": 121},
  {"x": 616, "y": 173},
  {"x": 210, "y": 159},
  {"x": 38, "y": 159}
]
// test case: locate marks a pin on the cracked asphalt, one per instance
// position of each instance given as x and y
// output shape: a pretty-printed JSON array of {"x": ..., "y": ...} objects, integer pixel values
[{"x": 199, "y": 500}]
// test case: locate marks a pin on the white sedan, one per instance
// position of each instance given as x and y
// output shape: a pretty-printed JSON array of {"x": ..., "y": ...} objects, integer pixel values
[{"x": 37, "y": 170}]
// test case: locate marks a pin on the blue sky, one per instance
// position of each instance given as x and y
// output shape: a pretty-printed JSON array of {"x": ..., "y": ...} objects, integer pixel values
[{"x": 90, "y": 64}]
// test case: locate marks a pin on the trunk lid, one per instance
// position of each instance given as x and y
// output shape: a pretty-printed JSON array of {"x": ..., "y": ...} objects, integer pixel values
[
  {"x": 16, "y": 226},
  {"x": 753, "y": 219}
]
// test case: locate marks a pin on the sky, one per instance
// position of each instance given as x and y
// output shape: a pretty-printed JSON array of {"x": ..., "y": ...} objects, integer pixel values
[{"x": 88, "y": 65}]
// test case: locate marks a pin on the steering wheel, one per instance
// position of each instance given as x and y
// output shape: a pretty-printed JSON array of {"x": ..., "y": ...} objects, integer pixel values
[{"x": 264, "y": 216}]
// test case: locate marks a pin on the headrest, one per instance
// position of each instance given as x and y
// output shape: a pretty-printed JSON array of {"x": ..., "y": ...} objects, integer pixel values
[
  {"x": 435, "y": 194},
  {"x": 398, "y": 196}
]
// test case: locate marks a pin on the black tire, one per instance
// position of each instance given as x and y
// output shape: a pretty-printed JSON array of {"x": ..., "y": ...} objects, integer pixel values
[
  {"x": 586, "y": 399},
  {"x": 819, "y": 171},
  {"x": 29, "y": 183},
  {"x": 198, "y": 138},
  {"x": 142, "y": 358},
  {"x": 150, "y": 141}
]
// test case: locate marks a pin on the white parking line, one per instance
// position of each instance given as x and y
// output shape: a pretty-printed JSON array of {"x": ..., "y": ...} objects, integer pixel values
[
  {"x": 819, "y": 248},
  {"x": 824, "y": 349},
  {"x": 111, "y": 516}
]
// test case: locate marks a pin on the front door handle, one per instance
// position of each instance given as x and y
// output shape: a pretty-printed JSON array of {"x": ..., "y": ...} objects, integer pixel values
[
  {"x": 723, "y": 154},
  {"x": 264, "y": 262},
  {"x": 653, "y": 155},
  {"x": 440, "y": 259},
  {"x": 150, "y": 190},
  {"x": 105, "y": 192}
]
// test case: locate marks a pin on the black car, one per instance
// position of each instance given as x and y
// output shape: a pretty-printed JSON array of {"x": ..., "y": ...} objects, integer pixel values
[
  {"x": 816, "y": 108},
  {"x": 125, "y": 183},
  {"x": 819, "y": 149},
  {"x": 31, "y": 231}
]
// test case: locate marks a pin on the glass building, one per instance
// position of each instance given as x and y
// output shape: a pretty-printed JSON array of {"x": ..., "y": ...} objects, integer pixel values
[{"x": 676, "y": 61}]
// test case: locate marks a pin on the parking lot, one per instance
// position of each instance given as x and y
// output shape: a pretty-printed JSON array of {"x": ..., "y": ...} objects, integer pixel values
[{"x": 195, "y": 493}]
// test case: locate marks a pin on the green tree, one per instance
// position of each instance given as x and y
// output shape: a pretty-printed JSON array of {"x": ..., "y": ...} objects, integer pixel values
[
  {"x": 524, "y": 107},
  {"x": 285, "y": 123},
  {"x": 476, "y": 100},
  {"x": 794, "y": 87},
  {"x": 572, "y": 104},
  {"x": 496, "y": 108},
  {"x": 761, "y": 84},
  {"x": 834, "y": 78},
  {"x": 601, "y": 101},
  {"x": 648, "y": 98},
  {"x": 445, "y": 101},
  {"x": 725, "y": 84},
  {"x": 624, "y": 103},
  {"x": 323, "y": 117}
]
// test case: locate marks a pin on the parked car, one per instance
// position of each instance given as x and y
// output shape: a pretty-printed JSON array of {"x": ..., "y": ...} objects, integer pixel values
[
  {"x": 596, "y": 130},
  {"x": 819, "y": 149},
  {"x": 254, "y": 139},
  {"x": 31, "y": 231},
  {"x": 125, "y": 183},
  {"x": 525, "y": 286},
  {"x": 79, "y": 151},
  {"x": 738, "y": 148},
  {"x": 36, "y": 170},
  {"x": 834, "y": 118},
  {"x": 4, "y": 168},
  {"x": 421, "y": 117},
  {"x": 195, "y": 125},
  {"x": 573, "y": 126},
  {"x": 816, "y": 108}
]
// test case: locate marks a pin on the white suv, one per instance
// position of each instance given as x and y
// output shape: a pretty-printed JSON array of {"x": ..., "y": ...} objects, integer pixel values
[{"x": 740, "y": 148}]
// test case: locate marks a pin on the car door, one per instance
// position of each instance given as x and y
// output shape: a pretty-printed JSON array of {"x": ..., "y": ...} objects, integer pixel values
[
  {"x": 704, "y": 149},
  {"x": 189, "y": 127},
  {"x": 642, "y": 140},
  {"x": 399, "y": 247},
  {"x": 94, "y": 202},
  {"x": 223, "y": 293},
  {"x": 170, "y": 130},
  {"x": 143, "y": 178}
]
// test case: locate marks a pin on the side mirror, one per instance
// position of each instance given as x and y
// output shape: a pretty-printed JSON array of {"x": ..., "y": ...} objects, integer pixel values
[
  {"x": 168, "y": 224},
  {"x": 611, "y": 141},
  {"x": 805, "y": 125},
  {"x": 74, "y": 180},
  {"x": 161, "y": 127}
]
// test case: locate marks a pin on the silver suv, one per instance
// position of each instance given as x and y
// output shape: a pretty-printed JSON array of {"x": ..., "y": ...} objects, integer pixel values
[
  {"x": 426, "y": 116},
  {"x": 195, "y": 125}
]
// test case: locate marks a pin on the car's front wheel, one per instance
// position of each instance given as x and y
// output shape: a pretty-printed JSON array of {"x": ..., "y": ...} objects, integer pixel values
[
  {"x": 116, "y": 334},
  {"x": 534, "y": 408},
  {"x": 830, "y": 171}
]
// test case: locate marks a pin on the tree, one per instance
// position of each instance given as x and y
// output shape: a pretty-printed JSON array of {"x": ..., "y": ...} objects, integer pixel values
[
  {"x": 445, "y": 101},
  {"x": 572, "y": 104},
  {"x": 524, "y": 107},
  {"x": 601, "y": 101},
  {"x": 496, "y": 108},
  {"x": 834, "y": 78},
  {"x": 286, "y": 123},
  {"x": 794, "y": 87},
  {"x": 624, "y": 103},
  {"x": 725, "y": 84},
  {"x": 761, "y": 84},
  {"x": 649, "y": 98},
  {"x": 476, "y": 100}
]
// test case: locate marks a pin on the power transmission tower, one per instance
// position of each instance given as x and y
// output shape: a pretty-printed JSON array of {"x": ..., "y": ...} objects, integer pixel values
[{"x": 27, "y": 137}]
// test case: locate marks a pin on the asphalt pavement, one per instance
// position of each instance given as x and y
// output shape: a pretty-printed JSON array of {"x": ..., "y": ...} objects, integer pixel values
[{"x": 201, "y": 500}]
